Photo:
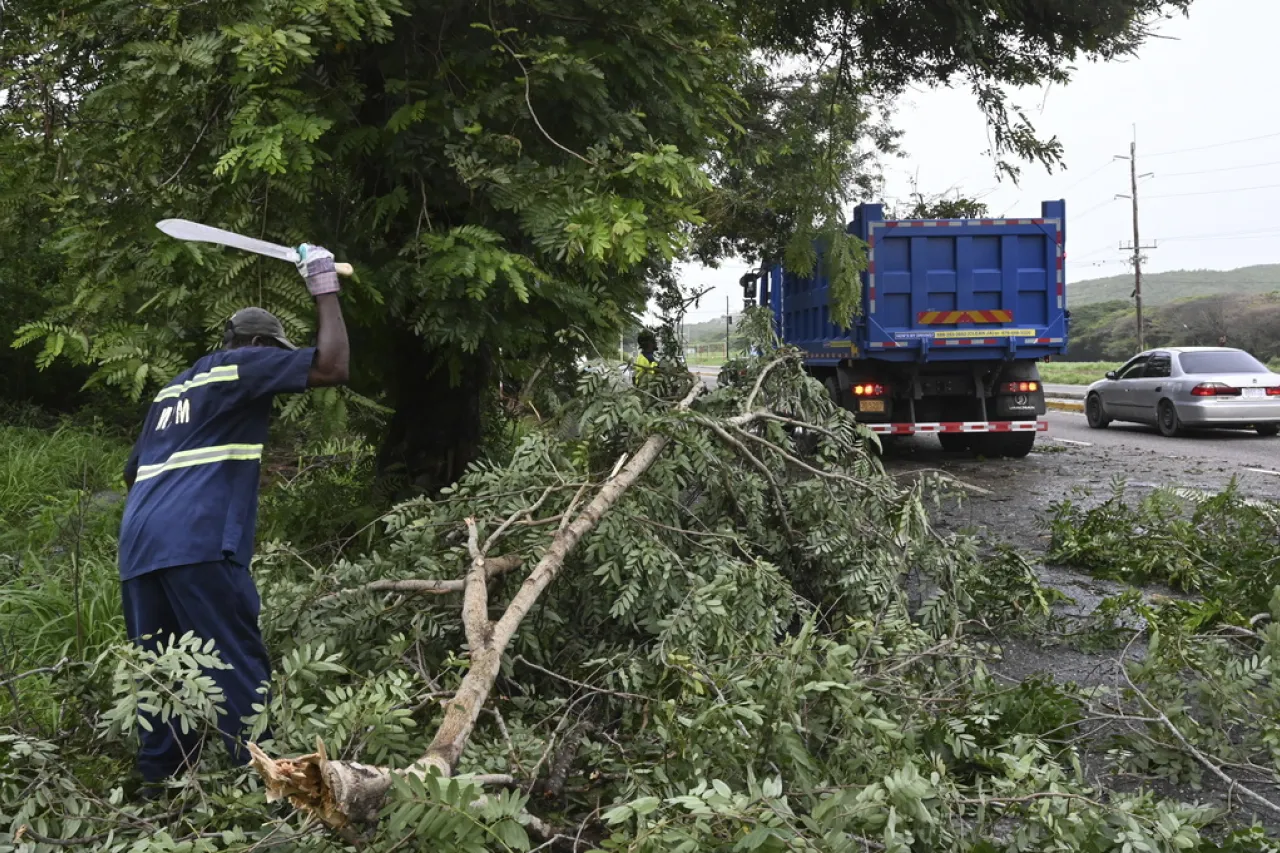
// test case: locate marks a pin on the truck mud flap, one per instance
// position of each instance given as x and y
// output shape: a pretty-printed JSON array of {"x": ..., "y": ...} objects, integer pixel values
[{"x": 960, "y": 426}]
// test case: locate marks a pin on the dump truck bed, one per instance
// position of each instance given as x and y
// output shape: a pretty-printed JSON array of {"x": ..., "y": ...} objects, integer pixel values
[{"x": 939, "y": 290}]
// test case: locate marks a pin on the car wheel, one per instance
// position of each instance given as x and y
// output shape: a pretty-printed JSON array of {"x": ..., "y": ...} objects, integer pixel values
[
  {"x": 1268, "y": 430},
  {"x": 1167, "y": 419},
  {"x": 1094, "y": 413},
  {"x": 953, "y": 442}
]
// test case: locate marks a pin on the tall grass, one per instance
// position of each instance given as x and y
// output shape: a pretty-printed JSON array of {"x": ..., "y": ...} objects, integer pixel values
[
  {"x": 45, "y": 476},
  {"x": 1076, "y": 372},
  {"x": 60, "y": 504}
]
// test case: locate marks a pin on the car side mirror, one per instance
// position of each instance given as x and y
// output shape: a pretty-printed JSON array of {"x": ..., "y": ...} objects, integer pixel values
[{"x": 1111, "y": 374}]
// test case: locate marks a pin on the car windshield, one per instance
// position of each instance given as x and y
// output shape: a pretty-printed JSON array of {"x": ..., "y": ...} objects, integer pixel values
[{"x": 1220, "y": 362}]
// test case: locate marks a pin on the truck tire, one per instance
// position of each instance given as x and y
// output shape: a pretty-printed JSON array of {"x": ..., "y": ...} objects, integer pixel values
[
  {"x": 1014, "y": 445},
  {"x": 953, "y": 442}
]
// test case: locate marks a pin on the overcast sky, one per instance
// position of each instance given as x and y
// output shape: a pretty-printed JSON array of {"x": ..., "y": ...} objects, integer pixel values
[{"x": 1207, "y": 117}]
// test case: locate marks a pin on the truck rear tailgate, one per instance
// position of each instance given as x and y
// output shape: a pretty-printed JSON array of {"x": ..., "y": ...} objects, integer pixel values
[{"x": 963, "y": 288}]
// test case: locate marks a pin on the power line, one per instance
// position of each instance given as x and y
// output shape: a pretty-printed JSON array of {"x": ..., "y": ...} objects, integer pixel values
[
  {"x": 1259, "y": 236},
  {"x": 1269, "y": 230},
  {"x": 1092, "y": 252},
  {"x": 1092, "y": 174},
  {"x": 1215, "y": 145},
  {"x": 1224, "y": 169},
  {"x": 1099, "y": 206},
  {"x": 1218, "y": 192}
]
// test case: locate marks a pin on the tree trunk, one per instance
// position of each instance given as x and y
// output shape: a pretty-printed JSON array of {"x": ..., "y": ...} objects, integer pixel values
[{"x": 436, "y": 430}]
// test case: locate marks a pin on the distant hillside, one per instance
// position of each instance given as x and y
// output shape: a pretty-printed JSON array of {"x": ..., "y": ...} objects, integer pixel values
[
  {"x": 707, "y": 332},
  {"x": 1165, "y": 287}
]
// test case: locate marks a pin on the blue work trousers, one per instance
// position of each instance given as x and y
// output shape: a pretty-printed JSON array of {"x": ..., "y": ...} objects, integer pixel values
[{"x": 215, "y": 601}]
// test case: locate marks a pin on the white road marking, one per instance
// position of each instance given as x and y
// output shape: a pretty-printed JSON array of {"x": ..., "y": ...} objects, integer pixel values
[
  {"x": 1264, "y": 471},
  {"x": 1072, "y": 441}
]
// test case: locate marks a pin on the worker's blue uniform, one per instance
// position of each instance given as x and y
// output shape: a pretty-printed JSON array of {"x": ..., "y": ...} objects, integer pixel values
[{"x": 186, "y": 540}]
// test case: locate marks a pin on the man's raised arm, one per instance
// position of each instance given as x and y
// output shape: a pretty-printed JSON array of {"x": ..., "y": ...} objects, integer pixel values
[{"x": 333, "y": 349}]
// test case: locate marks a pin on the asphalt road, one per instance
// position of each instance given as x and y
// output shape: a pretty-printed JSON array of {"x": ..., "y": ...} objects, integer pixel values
[{"x": 1239, "y": 448}]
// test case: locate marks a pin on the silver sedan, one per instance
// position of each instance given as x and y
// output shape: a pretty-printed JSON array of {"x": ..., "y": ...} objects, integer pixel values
[{"x": 1187, "y": 387}]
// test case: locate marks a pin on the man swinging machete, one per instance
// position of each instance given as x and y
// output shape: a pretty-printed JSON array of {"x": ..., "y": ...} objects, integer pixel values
[{"x": 187, "y": 537}]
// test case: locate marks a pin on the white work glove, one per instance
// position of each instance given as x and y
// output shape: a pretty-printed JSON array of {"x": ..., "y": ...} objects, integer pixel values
[{"x": 315, "y": 265}]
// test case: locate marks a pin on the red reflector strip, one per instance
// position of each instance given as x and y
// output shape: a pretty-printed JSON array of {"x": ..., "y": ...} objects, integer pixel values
[{"x": 960, "y": 426}]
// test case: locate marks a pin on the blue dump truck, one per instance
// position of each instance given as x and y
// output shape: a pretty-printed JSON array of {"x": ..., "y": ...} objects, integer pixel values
[{"x": 956, "y": 314}]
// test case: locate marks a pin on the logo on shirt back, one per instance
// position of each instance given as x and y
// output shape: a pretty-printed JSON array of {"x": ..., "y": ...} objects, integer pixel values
[{"x": 180, "y": 413}]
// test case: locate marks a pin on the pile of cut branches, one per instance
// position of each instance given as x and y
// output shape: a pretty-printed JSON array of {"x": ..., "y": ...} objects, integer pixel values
[{"x": 672, "y": 619}]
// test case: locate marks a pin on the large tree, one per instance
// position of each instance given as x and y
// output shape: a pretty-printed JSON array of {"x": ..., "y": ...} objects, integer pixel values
[{"x": 510, "y": 178}]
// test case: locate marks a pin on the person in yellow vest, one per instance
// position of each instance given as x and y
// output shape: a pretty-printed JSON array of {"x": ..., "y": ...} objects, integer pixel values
[{"x": 646, "y": 363}]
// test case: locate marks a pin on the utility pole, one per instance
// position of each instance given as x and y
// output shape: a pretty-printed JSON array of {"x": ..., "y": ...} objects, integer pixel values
[{"x": 1137, "y": 246}]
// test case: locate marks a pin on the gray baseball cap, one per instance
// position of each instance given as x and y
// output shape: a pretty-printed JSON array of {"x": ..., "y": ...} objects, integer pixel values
[{"x": 260, "y": 323}]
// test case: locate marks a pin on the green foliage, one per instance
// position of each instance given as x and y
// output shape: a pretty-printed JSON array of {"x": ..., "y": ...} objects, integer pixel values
[
  {"x": 942, "y": 207},
  {"x": 54, "y": 482},
  {"x": 320, "y": 498},
  {"x": 511, "y": 180},
  {"x": 1076, "y": 372},
  {"x": 1005, "y": 584},
  {"x": 744, "y": 654},
  {"x": 59, "y": 513},
  {"x": 1223, "y": 549},
  {"x": 1109, "y": 329}
]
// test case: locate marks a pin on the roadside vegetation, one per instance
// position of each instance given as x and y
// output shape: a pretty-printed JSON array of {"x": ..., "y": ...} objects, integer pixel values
[
  {"x": 1075, "y": 372},
  {"x": 718, "y": 663},
  {"x": 517, "y": 607},
  {"x": 1106, "y": 331}
]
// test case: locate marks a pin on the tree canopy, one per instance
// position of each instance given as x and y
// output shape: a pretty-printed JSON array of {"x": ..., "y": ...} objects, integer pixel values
[{"x": 511, "y": 179}]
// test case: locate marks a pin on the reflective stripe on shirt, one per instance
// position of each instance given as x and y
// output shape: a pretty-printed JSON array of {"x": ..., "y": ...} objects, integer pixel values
[
  {"x": 222, "y": 373},
  {"x": 202, "y": 456}
]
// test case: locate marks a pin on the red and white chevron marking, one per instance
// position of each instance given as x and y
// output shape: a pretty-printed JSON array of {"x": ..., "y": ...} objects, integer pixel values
[{"x": 960, "y": 426}]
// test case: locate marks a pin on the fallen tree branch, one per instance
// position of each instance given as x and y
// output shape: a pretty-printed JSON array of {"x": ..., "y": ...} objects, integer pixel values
[
  {"x": 1233, "y": 785},
  {"x": 494, "y": 566},
  {"x": 51, "y": 670},
  {"x": 799, "y": 463},
  {"x": 759, "y": 465},
  {"x": 751, "y": 398},
  {"x": 579, "y": 684},
  {"x": 475, "y": 598},
  {"x": 951, "y": 478},
  {"x": 25, "y": 832},
  {"x": 770, "y": 416},
  {"x": 341, "y": 793}
]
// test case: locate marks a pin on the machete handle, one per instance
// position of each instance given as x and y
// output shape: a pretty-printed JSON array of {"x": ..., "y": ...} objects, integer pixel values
[{"x": 344, "y": 269}]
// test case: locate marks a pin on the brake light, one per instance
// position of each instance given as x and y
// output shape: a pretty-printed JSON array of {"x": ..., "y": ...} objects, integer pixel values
[
  {"x": 870, "y": 389},
  {"x": 1274, "y": 392},
  {"x": 1020, "y": 387},
  {"x": 1216, "y": 389}
]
